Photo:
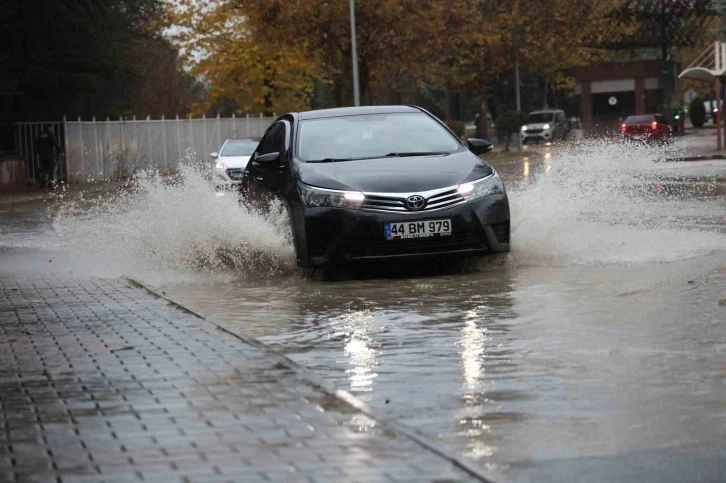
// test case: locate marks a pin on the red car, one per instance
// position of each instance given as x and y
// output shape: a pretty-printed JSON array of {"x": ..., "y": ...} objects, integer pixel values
[{"x": 647, "y": 128}]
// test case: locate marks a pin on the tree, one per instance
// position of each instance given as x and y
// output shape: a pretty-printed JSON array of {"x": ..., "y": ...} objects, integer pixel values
[
  {"x": 255, "y": 75},
  {"x": 487, "y": 37},
  {"x": 312, "y": 39},
  {"x": 697, "y": 112},
  {"x": 556, "y": 36},
  {"x": 88, "y": 57}
]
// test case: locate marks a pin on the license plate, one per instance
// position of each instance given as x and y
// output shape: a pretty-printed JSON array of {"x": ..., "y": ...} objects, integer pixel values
[{"x": 416, "y": 229}]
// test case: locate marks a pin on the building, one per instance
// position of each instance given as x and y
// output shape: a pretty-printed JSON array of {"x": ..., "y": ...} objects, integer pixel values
[{"x": 611, "y": 91}]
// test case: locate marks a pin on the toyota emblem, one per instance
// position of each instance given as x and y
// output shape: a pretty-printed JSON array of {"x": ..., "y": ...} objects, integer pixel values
[{"x": 415, "y": 202}]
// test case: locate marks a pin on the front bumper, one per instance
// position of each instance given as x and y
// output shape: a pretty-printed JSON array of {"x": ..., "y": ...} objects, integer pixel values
[
  {"x": 538, "y": 136},
  {"x": 339, "y": 236},
  {"x": 649, "y": 137},
  {"x": 229, "y": 178}
]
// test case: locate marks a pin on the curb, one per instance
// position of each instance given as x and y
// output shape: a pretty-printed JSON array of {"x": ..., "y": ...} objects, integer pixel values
[{"x": 307, "y": 376}]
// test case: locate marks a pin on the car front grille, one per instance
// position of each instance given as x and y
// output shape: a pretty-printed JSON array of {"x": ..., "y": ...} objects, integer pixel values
[
  {"x": 534, "y": 131},
  {"x": 235, "y": 173},
  {"x": 418, "y": 246},
  {"x": 394, "y": 203}
]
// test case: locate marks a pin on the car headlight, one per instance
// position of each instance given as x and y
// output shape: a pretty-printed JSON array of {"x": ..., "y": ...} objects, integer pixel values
[
  {"x": 221, "y": 166},
  {"x": 315, "y": 197},
  {"x": 546, "y": 126},
  {"x": 491, "y": 185},
  {"x": 524, "y": 128}
]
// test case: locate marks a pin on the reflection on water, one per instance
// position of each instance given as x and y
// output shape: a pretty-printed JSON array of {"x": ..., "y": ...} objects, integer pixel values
[
  {"x": 392, "y": 343},
  {"x": 361, "y": 357},
  {"x": 473, "y": 337},
  {"x": 472, "y": 343}
]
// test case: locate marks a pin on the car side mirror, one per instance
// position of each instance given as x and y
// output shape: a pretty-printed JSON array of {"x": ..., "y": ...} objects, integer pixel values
[
  {"x": 214, "y": 155},
  {"x": 479, "y": 146},
  {"x": 266, "y": 159}
]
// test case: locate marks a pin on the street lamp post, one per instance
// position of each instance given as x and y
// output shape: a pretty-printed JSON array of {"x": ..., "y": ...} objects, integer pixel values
[{"x": 354, "y": 49}]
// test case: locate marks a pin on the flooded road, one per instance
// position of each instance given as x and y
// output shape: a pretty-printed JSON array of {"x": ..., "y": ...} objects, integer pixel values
[{"x": 594, "y": 352}]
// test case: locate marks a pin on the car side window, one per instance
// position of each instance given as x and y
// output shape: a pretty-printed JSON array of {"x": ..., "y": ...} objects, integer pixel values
[{"x": 271, "y": 140}]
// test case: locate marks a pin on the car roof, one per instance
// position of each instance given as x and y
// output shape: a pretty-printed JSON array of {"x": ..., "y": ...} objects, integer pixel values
[
  {"x": 243, "y": 139},
  {"x": 354, "y": 111}
]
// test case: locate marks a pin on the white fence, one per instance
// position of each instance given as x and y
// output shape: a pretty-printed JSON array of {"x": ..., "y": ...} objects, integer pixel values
[{"x": 106, "y": 149}]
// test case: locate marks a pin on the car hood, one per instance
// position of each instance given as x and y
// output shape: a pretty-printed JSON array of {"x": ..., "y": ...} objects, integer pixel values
[
  {"x": 234, "y": 161},
  {"x": 395, "y": 175}
]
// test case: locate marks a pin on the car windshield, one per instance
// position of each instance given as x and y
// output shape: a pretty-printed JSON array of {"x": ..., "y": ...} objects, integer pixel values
[
  {"x": 239, "y": 147},
  {"x": 373, "y": 136},
  {"x": 540, "y": 117},
  {"x": 639, "y": 120}
]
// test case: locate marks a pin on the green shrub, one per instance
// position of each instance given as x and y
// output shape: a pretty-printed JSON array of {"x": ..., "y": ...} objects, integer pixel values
[{"x": 697, "y": 112}]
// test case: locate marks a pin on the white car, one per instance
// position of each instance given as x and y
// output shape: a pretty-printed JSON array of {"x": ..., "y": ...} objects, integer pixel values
[
  {"x": 230, "y": 162},
  {"x": 545, "y": 126}
]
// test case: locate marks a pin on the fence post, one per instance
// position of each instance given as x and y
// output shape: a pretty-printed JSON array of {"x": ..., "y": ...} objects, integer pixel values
[
  {"x": 95, "y": 140},
  {"x": 123, "y": 144},
  {"x": 107, "y": 141},
  {"x": 151, "y": 149},
  {"x": 204, "y": 131},
  {"x": 63, "y": 171},
  {"x": 219, "y": 140},
  {"x": 261, "y": 125},
  {"x": 136, "y": 133},
  {"x": 234, "y": 127},
  {"x": 163, "y": 133},
  {"x": 31, "y": 145},
  {"x": 24, "y": 148},
  {"x": 178, "y": 138},
  {"x": 191, "y": 133},
  {"x": 248, "y": 124},
  {"x": 83, "y": 147}
]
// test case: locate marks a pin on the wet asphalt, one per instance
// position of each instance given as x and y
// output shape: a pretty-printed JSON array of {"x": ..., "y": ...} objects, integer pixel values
[{"x": 601, "y": 362}]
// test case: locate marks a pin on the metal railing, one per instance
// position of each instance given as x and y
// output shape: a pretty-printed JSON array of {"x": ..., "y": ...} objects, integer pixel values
[{"x": 113, "y": 148}]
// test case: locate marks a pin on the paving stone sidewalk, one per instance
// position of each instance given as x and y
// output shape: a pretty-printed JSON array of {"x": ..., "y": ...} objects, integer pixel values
[{"x": 102, "y": 381}]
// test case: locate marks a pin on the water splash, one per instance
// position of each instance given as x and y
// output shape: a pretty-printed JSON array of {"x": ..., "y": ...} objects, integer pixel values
[
  {"x": 594, "y": 203},
  {"x": 603, "y": 202},
  {"x": 179, "y": 223}
]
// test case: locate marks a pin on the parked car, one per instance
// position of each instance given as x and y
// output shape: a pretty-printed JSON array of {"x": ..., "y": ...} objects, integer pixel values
[
  {"x": 545, "y": 126},
  {"x": 379, "y": 183},
  {"x": 646, "y": 128},
  {"x": 229, "y": 164}
]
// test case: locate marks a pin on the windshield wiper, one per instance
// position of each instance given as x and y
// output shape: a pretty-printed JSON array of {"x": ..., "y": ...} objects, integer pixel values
[
  {"x": 415, "y": 153},
  {"x": 330, "y": 160}
]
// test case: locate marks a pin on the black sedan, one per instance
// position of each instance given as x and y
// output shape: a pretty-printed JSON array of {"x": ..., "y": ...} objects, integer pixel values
[{"x": 379, "y": 183}]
